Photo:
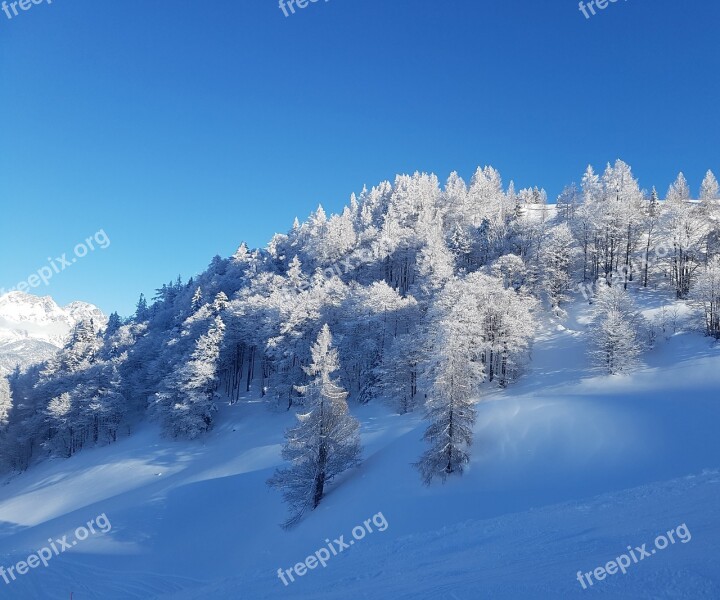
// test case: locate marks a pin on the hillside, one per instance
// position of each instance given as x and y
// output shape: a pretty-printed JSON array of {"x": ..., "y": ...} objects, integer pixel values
[
  {"x": 569, "y": 469},
  {"x": 510, "y": 393}
]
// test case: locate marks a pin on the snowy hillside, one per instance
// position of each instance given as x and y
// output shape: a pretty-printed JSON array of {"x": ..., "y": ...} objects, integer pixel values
[
  {"x": 32, "y": 328},
  {"x": 570, "y": 469},
  {"x": 445, "y": 391}
]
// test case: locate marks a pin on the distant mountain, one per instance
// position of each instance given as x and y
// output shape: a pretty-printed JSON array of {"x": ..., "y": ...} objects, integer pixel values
[{"x": 33, "y": 328}]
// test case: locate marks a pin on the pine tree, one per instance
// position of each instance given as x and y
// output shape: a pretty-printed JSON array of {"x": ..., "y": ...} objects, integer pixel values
[
  {"x": 220, "y": 303},
  {"x": 141, "y": 309},
  {"x": 326, "y": 440},
  {"x": 197, "y": 300},
  {"x": 114, "y": 323}
]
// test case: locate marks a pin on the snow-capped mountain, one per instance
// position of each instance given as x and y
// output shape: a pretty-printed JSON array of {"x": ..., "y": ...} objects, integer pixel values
[{"x": 33, "y": 328}]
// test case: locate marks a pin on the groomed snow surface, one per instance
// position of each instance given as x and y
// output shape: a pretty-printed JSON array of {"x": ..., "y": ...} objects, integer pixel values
[{"x": 569, "y": 468}]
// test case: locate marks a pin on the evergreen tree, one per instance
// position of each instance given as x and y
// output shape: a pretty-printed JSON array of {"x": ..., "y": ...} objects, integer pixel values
[
  {"x": 197, "y": 300},
  {"x": 185, "y": 404},
  {"x": 114, "y": 323},
  {"x": 141, "y": 309},
  {"x": 326, "y": 440}
]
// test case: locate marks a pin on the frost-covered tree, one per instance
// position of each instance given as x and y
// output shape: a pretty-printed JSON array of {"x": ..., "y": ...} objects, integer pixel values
[
  {"x": 513, "y": 272},
  {"x": 651, "y": 232},
  {"x": 710, "y": 211},
  {"x": 455, "y": 372},
  {"x": 568, "y": 202},
  {"x": 507, "y": 325},
  {"x": 185, "y": 404},
  {"x": 326, "y": 440},
  {"x": 5, "y": 402},
  {"x": 616, "y": 342},
  {"x": 709, "y": 189},
  {"x": 197, "y": 300},
  {"x": 687, "y": 230},
  {"x": 61, "y": 415},
  {"x": 556, "y": 257},
  {"x": 399, "y": 373},
  {"x": 706, "y": 294},
  {"x": 79, "y": 352}
]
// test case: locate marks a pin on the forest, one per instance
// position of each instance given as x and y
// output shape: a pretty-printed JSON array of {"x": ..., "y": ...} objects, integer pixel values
[{"x": 418, "y": 295}]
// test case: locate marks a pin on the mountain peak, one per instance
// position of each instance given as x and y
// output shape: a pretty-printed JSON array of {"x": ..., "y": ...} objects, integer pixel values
[{"x": 33, "y": 326}]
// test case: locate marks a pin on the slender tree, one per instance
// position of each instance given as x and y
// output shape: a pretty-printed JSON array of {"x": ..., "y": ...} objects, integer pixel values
[{"x": 326, "y": 440}]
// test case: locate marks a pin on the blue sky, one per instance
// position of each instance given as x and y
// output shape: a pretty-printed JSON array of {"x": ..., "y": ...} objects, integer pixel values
[{"x": 183, "y": 128}]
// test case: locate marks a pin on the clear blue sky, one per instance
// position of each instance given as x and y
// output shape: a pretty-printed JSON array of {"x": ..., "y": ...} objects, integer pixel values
[{"x": 182, "y": 128}]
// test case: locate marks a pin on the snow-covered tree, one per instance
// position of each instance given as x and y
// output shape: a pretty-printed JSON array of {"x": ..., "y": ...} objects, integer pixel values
[
  {"x": 557, "y": 254},
  {"x": 687, "y": 230},
  {"x": 455, "y": 372},
  {"x": 507, "y": 324},
  {"x": 326, "y": 440},
  {"x": 5, "y": 402},
  {"x": 185, "y": 404},
  {"x": 568, "y": 202},
  {"x": 399, "y": 373},
  {"x": 61, "y": 415},
  {"x": 651, "y": 233},
  {"x": 709, "y": 189},
  {"x": 616, "y": 342},
  {"x": 706, "y": 294},
  {"x": 197, "y": 300},
  {"x": 709, "y": 211},
  {"x": 513, "y": 272}
]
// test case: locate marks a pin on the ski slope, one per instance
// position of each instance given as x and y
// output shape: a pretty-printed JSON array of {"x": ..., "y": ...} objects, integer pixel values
[{"x": 568, "y": 469}]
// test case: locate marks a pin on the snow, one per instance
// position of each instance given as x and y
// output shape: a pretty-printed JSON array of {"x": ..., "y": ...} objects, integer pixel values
[
  {"x": 568, "y": 468},
  {"x": 32, "y": 328},
  {"x": 26, "y": 316}
]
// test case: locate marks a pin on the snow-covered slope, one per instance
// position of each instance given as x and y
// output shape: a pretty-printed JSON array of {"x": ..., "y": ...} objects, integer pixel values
[
  {"x": 32, "y": 328},
  {"x": 568, "y": 470}
]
